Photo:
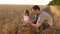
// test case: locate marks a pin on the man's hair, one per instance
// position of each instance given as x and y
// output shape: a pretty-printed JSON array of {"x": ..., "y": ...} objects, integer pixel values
[{"x": 36, "y": 7}]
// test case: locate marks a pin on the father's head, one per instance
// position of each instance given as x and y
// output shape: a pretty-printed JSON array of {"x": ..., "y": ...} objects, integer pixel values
[{"x": 36, "y": 9}]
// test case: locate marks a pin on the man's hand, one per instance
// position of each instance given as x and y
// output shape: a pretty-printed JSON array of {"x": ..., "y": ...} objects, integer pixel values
[
  {"x": 37, "y": 25},
  {"x": 29, "y": 22}
]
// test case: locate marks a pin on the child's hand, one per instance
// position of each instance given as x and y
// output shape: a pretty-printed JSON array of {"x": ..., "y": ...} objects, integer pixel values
[{"x": 29, "y": 22}]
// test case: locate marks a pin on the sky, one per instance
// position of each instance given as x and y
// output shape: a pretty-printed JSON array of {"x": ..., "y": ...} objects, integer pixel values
[{"x": 25, "y": 2}]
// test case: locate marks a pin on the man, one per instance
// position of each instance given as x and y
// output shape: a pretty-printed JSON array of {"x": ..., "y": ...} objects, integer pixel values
[{"x": 40, "y": 17}]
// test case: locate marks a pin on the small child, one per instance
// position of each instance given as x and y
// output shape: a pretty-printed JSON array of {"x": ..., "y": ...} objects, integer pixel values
[{"x": 26, "y": 18}]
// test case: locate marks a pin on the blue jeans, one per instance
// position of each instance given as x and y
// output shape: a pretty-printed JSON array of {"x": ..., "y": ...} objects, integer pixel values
[{"x": 41, "y": 29}]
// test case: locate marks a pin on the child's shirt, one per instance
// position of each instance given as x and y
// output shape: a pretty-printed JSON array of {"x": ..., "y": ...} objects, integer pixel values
[{"x": 26, "y": 19}]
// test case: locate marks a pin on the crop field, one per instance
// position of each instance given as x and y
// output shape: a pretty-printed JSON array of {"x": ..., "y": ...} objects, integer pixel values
[{"x": 11, "y": 19}]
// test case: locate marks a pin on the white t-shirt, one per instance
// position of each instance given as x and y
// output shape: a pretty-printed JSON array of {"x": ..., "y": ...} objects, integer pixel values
[{"x": 26, "y": 19}]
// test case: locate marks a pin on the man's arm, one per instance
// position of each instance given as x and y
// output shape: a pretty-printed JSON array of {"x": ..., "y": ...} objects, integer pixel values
[
  {"x": 37, "y": 25},
  {"x": 39, "y": 21}
]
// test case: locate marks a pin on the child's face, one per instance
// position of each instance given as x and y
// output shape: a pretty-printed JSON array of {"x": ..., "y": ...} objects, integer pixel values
[{"x": 26, "y": 14}]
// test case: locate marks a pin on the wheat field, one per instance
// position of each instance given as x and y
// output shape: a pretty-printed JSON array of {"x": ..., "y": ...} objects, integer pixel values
[{"x": 11, "y": 16}]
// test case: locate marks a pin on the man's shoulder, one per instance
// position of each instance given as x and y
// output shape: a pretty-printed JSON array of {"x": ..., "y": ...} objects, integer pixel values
[{"x": 44, "y": 13}]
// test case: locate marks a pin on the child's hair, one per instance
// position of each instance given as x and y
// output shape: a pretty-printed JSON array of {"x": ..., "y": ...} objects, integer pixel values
[{"x": 27, "y": 11}]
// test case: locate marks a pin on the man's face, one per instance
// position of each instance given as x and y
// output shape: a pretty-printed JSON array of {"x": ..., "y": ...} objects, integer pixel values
[{"x": 35, "y": 11}]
